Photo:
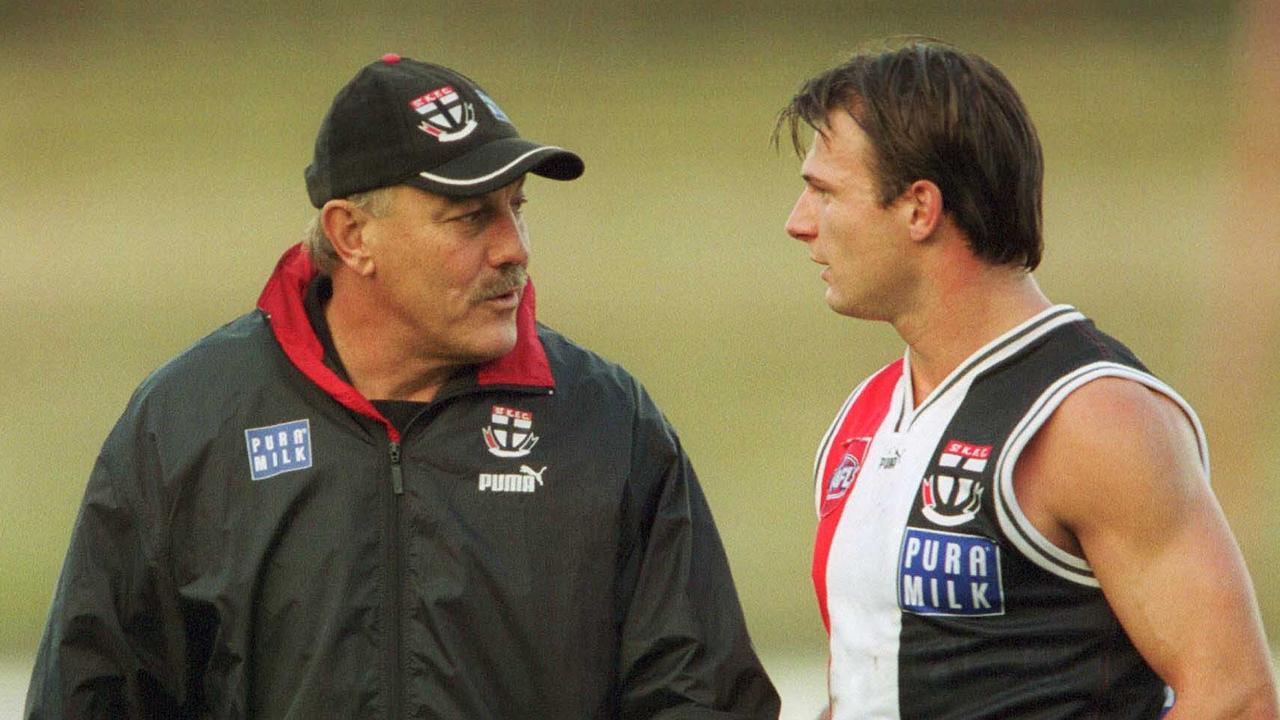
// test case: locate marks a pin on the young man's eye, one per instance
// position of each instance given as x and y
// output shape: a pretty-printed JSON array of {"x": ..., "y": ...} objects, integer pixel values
[
  {"x": 820, "y": 192},
  {"x": 518, "y": 202}
]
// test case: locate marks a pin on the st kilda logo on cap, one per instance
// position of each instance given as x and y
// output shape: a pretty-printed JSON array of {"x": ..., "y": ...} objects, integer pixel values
[{"x": 446, "y": 117}]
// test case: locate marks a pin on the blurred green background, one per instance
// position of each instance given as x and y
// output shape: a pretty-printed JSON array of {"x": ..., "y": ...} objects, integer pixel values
[{"x": 151, "y": 160}]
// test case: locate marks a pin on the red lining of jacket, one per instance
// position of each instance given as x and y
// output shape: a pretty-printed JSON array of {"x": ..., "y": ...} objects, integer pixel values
[{"x": 282, "y": 301}]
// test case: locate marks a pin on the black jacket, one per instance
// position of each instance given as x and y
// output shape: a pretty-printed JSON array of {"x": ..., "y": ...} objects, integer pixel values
[{"x": 256, "y": 540}]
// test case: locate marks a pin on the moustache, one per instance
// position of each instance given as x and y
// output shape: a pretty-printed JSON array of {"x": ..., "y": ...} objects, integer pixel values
[{"x": 510, "y": 278}]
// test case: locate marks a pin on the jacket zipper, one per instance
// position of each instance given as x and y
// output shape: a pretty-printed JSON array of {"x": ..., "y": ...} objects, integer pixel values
[
  {"x": 397, "y": 487},
  {"x": 397, "y": 475}
]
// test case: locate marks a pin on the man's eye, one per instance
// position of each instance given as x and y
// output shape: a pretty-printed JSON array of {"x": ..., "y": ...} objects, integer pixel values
[
  {"x": 518, "y": 202},
  {"x": 472, "y": 217}
]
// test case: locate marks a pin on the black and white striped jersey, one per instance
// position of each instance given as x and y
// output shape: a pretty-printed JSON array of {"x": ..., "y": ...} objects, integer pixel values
[{"x": 940, "y": 597}]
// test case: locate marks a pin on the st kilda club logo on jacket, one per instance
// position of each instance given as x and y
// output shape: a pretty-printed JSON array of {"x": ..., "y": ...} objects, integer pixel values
[
  {"x": 952, "y": 495},
  {"x": 509, "y": 433}
]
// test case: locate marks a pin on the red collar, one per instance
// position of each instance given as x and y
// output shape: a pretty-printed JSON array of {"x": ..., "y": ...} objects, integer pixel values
[{"x": 282, "y": 301}]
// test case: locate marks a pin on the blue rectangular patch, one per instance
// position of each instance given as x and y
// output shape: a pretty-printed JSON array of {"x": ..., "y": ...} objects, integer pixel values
[
  {"x": 278, "y": 449},
  {"x": 942, "y": 573}
]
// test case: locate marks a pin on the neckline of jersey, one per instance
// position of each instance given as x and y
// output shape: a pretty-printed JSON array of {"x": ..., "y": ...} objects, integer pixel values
[{"x": 981, "y": 360}]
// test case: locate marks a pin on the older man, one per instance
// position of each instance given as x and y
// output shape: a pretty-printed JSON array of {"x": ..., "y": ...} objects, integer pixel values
[{"x": 388, "y": 492}]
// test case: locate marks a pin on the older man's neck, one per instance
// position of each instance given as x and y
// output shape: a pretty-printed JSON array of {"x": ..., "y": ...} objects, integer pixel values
[{"x": 380, "y": 355}]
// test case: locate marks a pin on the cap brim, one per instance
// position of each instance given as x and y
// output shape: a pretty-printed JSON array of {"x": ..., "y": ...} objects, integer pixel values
[{"x": 497, "y": 164}]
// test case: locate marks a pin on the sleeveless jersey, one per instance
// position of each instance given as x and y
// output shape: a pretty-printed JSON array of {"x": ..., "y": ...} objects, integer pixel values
[{"x": 940, "y": 598}]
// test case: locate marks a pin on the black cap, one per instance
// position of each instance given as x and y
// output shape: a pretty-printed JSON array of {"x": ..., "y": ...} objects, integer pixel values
[{"x": 404, "y": 122}]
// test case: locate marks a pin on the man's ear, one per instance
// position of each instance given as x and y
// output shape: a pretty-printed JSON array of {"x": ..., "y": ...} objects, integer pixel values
[
  {"x": 344, "y": 224},
  {"x": 922, "y": 201}
]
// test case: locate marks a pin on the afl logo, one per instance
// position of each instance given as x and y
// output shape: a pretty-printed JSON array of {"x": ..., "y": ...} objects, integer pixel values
[{"x": 842, "y": 478}]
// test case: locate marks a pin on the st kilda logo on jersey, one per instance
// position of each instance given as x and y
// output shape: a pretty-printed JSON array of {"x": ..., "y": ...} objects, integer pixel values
[
  {"x": 510, "y": 432},
  {"x": 952, "y": 495},
  {"x": 445, "y": 116}
]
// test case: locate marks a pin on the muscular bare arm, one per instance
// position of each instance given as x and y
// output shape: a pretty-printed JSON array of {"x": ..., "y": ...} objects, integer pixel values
[{"x": 1115, "y": 476}]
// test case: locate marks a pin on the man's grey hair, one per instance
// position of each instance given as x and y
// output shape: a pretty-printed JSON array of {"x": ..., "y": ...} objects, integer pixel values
[{"x": 376, "y": 202}]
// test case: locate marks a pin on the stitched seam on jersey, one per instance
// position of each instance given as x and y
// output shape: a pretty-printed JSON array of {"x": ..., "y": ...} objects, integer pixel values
[
  {"x": 1009, "y": 514},
  {"x": 1202, "y": 441},
  {"x": 1012, "y": 341},
  {"x": 904, "y": 411}
]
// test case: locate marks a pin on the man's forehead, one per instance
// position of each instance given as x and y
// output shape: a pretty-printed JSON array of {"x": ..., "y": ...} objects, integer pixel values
[
  {"x": 824, "y": 156},
  {"x": 841, "y": 139},
  {"x": 840, "y": 131}
]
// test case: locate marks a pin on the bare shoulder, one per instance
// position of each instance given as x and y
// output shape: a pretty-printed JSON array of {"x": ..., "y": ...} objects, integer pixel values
[
  {"x": 1111, "y": 425},
  {"x": 1115, "y": 476},
  {"x": 1115, "y": 453}
]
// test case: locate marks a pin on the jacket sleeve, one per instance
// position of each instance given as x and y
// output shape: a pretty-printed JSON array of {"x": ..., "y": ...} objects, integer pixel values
[
  {"x": 685, "y": 651},
  {"x": 112, "y": 646}
]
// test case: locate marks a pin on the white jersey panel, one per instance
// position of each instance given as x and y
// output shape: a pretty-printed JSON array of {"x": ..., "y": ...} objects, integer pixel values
[{"x": 862, "y": 596}]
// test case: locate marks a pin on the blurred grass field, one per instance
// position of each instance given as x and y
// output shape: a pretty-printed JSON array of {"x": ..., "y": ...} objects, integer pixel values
[{"x": 151, "y": 173}]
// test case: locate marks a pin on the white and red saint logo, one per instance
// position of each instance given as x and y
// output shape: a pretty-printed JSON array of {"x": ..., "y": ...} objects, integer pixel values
[
  {"x": 955, "y": 498},
  {"x": 445, "y": 116},
  {"x": 510, "y": 432}
]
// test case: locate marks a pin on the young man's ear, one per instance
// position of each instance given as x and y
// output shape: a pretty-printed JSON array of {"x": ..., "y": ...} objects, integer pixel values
[
  {"x": 344, "y": 225},
  {"x": 923, "y": 201}
]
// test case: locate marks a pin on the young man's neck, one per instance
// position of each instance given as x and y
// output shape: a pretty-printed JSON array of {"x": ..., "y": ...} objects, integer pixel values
[{"x": 965, "y": 311}]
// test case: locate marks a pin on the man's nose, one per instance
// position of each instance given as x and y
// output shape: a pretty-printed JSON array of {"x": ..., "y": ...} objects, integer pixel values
[
  {"x": 510, "y": 244},
  {"x": 801, "y": 224}
]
